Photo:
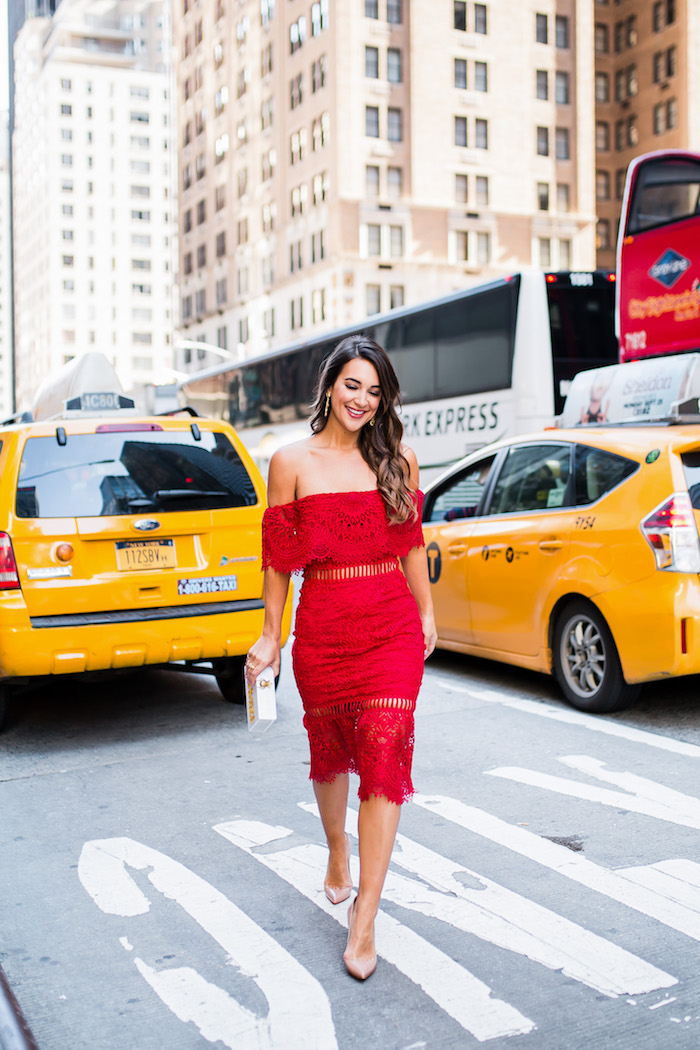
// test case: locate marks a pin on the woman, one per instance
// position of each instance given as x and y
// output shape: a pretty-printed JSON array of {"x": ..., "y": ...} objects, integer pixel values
[{"x": 344, "y": 506}]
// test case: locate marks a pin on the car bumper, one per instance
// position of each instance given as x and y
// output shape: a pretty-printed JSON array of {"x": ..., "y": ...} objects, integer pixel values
[{"x": 75, "y": 642}]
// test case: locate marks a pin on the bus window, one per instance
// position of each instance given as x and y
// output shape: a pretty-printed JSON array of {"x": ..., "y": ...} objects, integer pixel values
[
  {"x": 474, "y": 342},
  {"x": 665, "y": 191},
  {"x": 581, "y": 321}
]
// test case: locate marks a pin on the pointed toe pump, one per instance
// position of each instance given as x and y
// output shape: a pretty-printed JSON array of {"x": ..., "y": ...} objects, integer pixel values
[{"x": 359, "y": 968}]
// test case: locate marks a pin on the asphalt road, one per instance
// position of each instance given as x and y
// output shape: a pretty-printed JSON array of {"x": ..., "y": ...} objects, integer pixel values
[{"x": 161, "y": 873}]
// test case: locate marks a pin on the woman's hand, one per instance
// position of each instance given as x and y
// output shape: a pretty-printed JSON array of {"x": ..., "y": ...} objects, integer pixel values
[
  {"x": 429, "y": 634},
  {"x": 264, "y": 653}
]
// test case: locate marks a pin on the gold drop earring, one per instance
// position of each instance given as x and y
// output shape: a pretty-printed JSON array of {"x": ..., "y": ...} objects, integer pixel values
[
  {"x": 371, "y": 422},
  {"x": 328, "y": 403}
]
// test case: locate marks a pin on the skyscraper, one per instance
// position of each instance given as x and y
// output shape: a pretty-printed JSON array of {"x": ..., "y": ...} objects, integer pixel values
[{"x": 93, "y": 209}]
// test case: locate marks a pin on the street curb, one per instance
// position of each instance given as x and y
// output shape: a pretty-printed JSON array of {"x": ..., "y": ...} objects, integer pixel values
[{"x": 14, "y": 1030}]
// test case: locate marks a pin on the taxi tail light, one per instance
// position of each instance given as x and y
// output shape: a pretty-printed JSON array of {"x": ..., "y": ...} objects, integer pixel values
[
  {"x": 9, "y": 577},
  {"x": 672, "y": 534}
]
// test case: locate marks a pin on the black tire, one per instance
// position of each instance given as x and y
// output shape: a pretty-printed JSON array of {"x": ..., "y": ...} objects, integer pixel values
[
  {"x": 586, "y": 664},
  {"x": 229, "y": 678}
]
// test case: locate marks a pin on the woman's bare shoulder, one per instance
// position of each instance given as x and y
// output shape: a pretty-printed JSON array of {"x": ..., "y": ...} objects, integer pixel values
[{"x": 286, "y": 465}]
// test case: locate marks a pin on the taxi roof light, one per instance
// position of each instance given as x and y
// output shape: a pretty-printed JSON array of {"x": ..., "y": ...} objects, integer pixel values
[
  {"x": 9, "y": 577},
  {"x": 672, "y": 534}
]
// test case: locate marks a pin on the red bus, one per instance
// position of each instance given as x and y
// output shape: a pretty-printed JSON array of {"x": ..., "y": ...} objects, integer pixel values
[{"x": 657, "y": 298}]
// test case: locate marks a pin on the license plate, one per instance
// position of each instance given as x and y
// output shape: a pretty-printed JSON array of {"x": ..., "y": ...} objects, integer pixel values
[{"x": 145, "y": 554}]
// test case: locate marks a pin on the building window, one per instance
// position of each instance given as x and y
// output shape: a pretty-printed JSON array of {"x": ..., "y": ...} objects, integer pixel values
[
  {"x": 671, "y": 62},
  {"x": 619, "y": 134},
  {"x": 462, "y": 245},
  {"x": 602, "y": 39},
  {"x": 372, "y": 62},
  {"x": 221, "y": 293},
  {"x": 372, "y": 181},
  {"x": 201, "y": 211},
  {"x": 483, "y": 249},
  {"x": 221, "y": 244},
  {"x": 372, "y": 299},
  {"x": 318, "y": 74},
  {"x": 297, "y": 313},
  {"x": 618, "y": 42},
  {"x": 602, "y": 185},
  {"x": 542, "y": 142},
  {"x": 460, "y": 73},
  {"x": 394, "y": 125},
  {"x": 658, "y": 67},
  {"x": 602, "y": 136},
  {"x": 393, "y": 65},
  {"x": 632, "y": 131},
  {"x": 544, "y": 252},
  {"x": 219, "y": 197},
  {"x": 393, "y": 12},
  {"x": 371, "y": 8},
  {"x": 460, "y": 131},
  {"x": 562, "y": 145},
  {"x": 480, "y": 19},
  {"x": 563, "y": 197},
  {"x": 482, "y": 190},
  {"x": 297, "y": 34},
  {"x": 374, "y": 239},
  {"x": 200, "y": 302},
  {"x": 319, "y": 17},
  {"x": 543, "y": 196},
  {"x": 481, "y": 76},
  {"x": 619, "y": 183},
  {"x": 394, "y": 183},
  {"x": 671, "y": 114},
  {"x": 602, "y": 234},
  {"x": 460, "y": 16},
  {"x": 631, "y": 81},
  {"x": 396, "y": 296},
  {"x": 461, "y": 189},
  {"x": 561, "y": 89},
  {"x": 541, "y": 32},
  {"x": 602, "y": 87},
  {"x": 318, "y": 306},
  {"x": 542, "y": 84},
  {"x": 295, "y": 93},
  {"x": 481, "y": 133},
  {"x": 561, "y": 31},
  {"x": 396, "y": 241},
  {"x": 372, "y": 122}
]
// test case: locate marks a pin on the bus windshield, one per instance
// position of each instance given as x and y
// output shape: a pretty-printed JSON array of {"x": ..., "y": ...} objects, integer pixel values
[{"x": 658, "y": 256}]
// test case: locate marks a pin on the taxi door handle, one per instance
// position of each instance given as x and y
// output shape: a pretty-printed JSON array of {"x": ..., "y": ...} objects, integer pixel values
[
  {"x": 551, "y": 545},
  {"x": 456, "y": 549}
]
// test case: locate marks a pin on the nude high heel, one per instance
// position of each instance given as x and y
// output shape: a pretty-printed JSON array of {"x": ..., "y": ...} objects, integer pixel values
[
  {"x": 338, "y": 894},
  {"x": 361, "y": 969}
]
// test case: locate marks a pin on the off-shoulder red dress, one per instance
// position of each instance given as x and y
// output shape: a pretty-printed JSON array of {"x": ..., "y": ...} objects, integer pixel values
[{"x": 358, "y": 640}]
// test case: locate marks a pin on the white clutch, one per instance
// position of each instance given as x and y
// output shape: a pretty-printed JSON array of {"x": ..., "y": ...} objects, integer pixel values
[{"x": 261, "y": 707}]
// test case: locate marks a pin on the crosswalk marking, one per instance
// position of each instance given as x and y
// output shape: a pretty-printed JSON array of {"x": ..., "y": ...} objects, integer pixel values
[
  {"x": 643, "y": 796},
  {"x": 509, "y": 920},
  {"x": 299, "y": 1016},
  {"x": 456, "y": 991},
  {"x": 669, "y": 903},
  {"x": 594, "y": 723}
]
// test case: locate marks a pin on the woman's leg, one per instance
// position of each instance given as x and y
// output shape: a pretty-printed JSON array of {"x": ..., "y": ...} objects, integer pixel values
[
  {"x": 332, "y": 801},
  {"x": 377, "y": 825}
]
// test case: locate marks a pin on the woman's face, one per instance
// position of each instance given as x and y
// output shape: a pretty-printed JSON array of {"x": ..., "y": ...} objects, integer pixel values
[{"x": 356, "y": 394}]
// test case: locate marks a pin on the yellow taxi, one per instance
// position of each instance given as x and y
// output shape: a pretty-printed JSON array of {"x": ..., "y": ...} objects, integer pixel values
[
  {"x": 575, "y": 551},
  {"x": 127, "y": 540}
]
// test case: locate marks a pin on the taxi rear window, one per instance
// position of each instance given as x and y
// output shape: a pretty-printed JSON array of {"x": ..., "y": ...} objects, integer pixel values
[
  {"x": 691, "y": 469},
  {"x": 94, "y": 475}
]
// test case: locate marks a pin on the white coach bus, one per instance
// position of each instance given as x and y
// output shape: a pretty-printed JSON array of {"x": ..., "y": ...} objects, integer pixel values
[{"x": 474, "y": 366}]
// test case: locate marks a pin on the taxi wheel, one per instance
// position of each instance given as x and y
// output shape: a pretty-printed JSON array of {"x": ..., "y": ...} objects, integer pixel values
[
  {"x": 586, "y": 663},
  {"x": 229, "y": 678}
]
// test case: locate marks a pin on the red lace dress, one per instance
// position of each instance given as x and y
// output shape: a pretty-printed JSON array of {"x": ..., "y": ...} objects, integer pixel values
[{"x": 358, "y": 640}]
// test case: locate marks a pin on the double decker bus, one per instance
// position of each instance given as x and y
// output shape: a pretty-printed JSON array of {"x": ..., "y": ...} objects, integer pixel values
[
  {"x": 657, "y": 309},
  {"x": 474, "y": 366}
]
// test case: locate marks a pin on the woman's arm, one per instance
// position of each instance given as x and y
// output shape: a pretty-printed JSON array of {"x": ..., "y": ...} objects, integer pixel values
[
  {"x": 281, "y": 488},
  {"x": 415, "y": 567}
]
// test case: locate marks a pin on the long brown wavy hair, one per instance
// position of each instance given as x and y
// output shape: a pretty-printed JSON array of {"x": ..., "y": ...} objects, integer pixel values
[{"x": 380, "y": 445}]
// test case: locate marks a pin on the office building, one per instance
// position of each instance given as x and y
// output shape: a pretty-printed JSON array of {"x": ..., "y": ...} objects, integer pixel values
[
  {"x": 339, "y": 159},
  {"x": 93, "y": 208}
]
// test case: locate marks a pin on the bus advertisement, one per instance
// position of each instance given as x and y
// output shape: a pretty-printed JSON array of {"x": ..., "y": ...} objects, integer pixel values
[
  {"x": 474, "y": 366},
  {"x": 657, "y": 307}
]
